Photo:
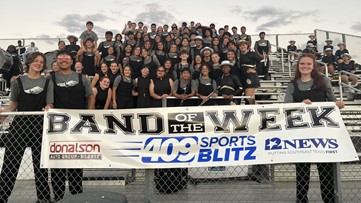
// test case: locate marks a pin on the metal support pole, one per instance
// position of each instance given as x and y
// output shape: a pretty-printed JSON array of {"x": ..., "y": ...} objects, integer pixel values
[
  {"x": 282, "y": 61},
  {"x": 149, "y": 192},
  {"x": 337, "y": 182}
]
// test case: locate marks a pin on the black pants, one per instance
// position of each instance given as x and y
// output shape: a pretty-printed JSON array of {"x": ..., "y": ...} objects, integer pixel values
[
  {"x": 25, "y": 131},
  {"x": 326, "y": 182},
  {"x": 58, "y": 178}
]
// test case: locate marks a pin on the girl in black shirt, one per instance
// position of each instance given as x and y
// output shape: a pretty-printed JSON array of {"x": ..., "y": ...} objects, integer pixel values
[{"x": 102, "y": 93}]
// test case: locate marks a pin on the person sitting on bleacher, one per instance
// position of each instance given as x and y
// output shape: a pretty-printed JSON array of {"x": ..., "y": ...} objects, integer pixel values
[
  {"x": 347, "y": 65},
  {"x": 313, "y": 41},
  {"x": 342, "y": 50},
  {"x": 328, "y": 44},
  {"x": 291, "y": 47},
  {"x": 330, "y": 60}
]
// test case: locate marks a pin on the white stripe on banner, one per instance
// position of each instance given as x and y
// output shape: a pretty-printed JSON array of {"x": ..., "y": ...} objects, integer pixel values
[{"x": 195, "y": 136}]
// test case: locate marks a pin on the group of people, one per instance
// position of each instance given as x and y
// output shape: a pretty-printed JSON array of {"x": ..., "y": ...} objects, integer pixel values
[
  {"x": 339, "y": 60},
  {"x": 140, "y": 72}
]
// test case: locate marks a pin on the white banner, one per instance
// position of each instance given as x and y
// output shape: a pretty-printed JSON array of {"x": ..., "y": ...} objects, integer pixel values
[{"x": 195, "y": 136}]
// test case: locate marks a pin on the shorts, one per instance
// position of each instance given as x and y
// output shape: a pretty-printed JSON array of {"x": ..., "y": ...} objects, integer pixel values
[{"x": 249, "y": 80}]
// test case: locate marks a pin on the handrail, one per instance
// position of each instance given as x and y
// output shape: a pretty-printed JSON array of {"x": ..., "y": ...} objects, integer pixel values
[
  {"x": 341, "y": 84},
  {"x": 164, "y": 100},
  {"x": 282, "y": 57},
  {"x": 326, "y": 66}
]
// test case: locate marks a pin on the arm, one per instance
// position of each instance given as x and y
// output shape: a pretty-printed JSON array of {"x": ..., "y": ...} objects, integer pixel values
[
  {"x": 114, "y": 97},
  {"x": 91, "y": 102},
  {"x": 151, "y": 91},
  {"x": 109, "y": 98},
  {"x": 289, "y": 94},
  {"x": 95, "y": 80}
]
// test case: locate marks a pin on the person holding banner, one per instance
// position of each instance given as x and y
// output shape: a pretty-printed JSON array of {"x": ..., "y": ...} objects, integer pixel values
[
  {"x": 71, "y": 91},
  {"x": 309, "y": 86},
  {"x": 26, "y": 131}
]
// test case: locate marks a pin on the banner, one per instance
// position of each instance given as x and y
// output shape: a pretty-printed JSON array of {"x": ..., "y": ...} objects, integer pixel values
[{"x": 195, "y": 136}]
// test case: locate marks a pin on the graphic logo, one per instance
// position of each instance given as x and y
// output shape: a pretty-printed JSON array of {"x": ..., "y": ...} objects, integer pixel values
[
  {"x": 306, "y": 143},
  {"x": 170, "y": 149}
]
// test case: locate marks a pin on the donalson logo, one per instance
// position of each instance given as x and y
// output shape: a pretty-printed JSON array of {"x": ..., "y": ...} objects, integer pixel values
[
  {"x": 306, "y": 143},
  {"x": 74, "y": 150}
]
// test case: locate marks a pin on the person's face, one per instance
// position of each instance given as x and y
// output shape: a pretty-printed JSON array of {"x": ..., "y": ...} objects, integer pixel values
[
  {"x": 173, "y": 48},
  {"x": 262, "y": 36},
  {"x": 341, "y": 46},
  {"x": 144, "y": 71},
  {"x": 129, "y": 23},
  {"x": 160, "y": 46},
  {"x": 198, "y": 59},
  {"x": 184, "y": 56},
  {"x": 55, "y": 67},
  {"x": 153, "y": 28},
  {"x": 19, "y": 43},
  {"x": 243, "y": 30},
  {"x": 140, "y": 25},
  {"x": 230, "y": 56},
  {"x": 104, "y": 68},
  {"x": 234, "y": 30},
  {"x": 128, "y": 48},
  {"x": 186, "y": 75},
  {"x": 226, "y": 69},
  {"x": 147, "y": 45},
  {"x": 61, "y": 45},
  {"x": 89, "y": 27},
  {"x": 168, "y": 64},
  {"x": 119, "y": 38},
  {"x": 207, "y": 53},
  {"x": 215, "y": 58},
  {"x": 243, "y": 47},
  {"x": 198, "y": 42},
  {"x": 78, "y": 67},
  {"x": 345, "y": 58},
  {"x": 133, "y": 26},
  {"x": 216, "y": 41},
  {"x": 145, "y": 29},
  {"x": 127, "y": 71},
  {"x": 205, "y": 70},
  {"x": 108, "y": 37},
  {"x": 137, "y": 51},
  {"x": 144, "y": 53},
  {"x": 160, "y": 72},
  {"x": 89, "y": 44},
  {"x": 131, "y": 37},
  {"x": 177, "y": 41},
  {"x": 225, "y": 41},
  {"x": 185, "y": 42},
  {"x": 64, "y": 61},
  {"x": 110, "y": 50},
  {"x": 160, "y": 29},
  {"x": 305, "y": 65},
  {"x": 37, "y": 65},
  {"x": 232, "y": 46},
  {"x": 114, "y": 68},
  {"x": 221, "y": 32},
  {"x": 105, "y": 83},
  {"x": 139, "y": 35},
  {"x": 157, "y": 39},
  {"x": 207, "y": 33}
]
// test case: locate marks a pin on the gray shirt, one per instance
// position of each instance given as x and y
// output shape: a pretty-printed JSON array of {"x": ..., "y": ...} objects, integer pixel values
[
  {"x": 32, "y": 86},
  {"x": 72, "y": 80},
  {"x": 85, "y": 35},
  {"x": 303, "y": 86},
  {"x": 183, "y": 84},
  {"x": 119, "y": 78},
  {"x": 206, "y": 82}
]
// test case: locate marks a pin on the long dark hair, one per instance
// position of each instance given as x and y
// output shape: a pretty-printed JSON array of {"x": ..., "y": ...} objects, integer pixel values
[{"x": 318, "y": 81}]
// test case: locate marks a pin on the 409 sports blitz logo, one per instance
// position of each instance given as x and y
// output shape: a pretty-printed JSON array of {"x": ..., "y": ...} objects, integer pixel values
[{"x": 198, "y": 149}]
